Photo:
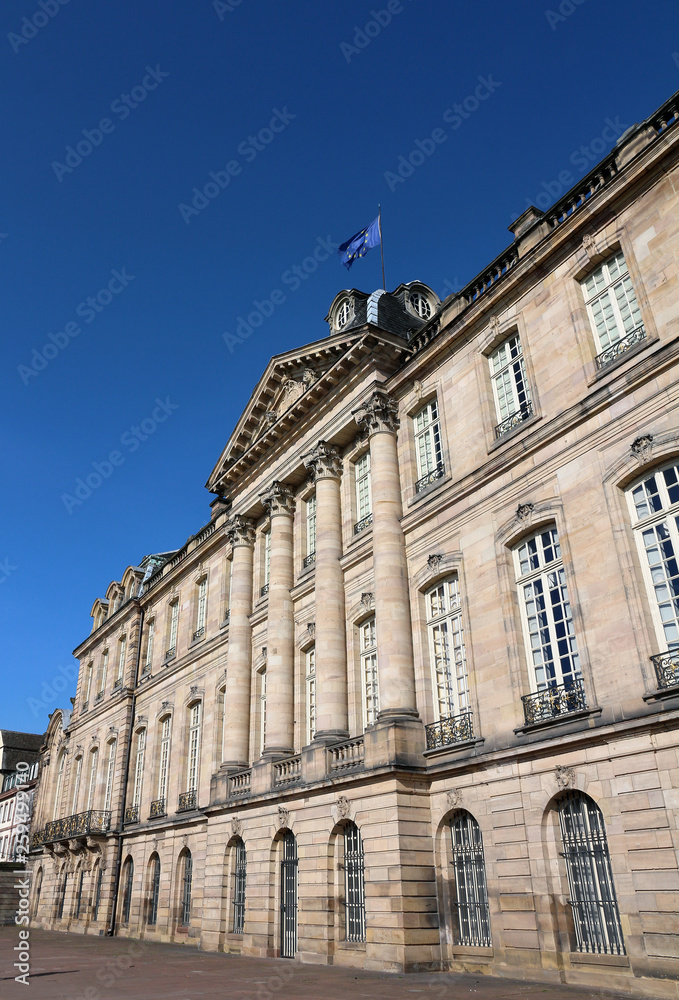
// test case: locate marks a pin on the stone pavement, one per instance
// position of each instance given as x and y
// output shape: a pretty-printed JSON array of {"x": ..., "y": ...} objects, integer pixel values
[{"x": 79, "y": 967}]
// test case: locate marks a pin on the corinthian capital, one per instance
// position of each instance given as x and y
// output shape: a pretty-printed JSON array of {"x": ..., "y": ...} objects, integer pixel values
[
  {"x": 278, "y": 499},
  {"x": 379, "y": 413},
  {"x": 240, "y": 530},
  {"x": 324, "y": 461}
]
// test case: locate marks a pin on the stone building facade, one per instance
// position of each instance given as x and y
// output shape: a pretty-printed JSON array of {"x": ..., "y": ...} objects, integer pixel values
[{"x": 409, "y": 700}]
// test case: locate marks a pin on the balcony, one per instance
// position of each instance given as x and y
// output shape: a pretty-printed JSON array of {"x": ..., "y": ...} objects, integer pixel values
[
  {"x": 131, "y": 815},
  {"x": 364, "y": 523},
  {"x": 308, "y": 560},
  {"x": 346, "y": 756},
  {"x": 199, "y": 633},
  {"x": 449, "y": 731},
  {"x": 94, "y": 821},
  {"x": 431, "y": 477},
  {"x": 514, "y": 420},
  {"x": 264, "y": 591},
  {"x": 187, "y": 801},
  {"x": 170, "y": 653},
  {"x": 553, "y": 702},
  {"x": 288, "y": 771},
  {"x": 620, "y": 347},
  {"x": 240, "y": 784},
  {"x": 157, "y": 808},
  {"x": 666, "y": 668}
]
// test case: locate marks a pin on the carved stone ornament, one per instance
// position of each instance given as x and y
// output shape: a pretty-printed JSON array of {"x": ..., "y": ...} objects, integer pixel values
[
  {"x": 368, "y": 601},
  {"x": 240, "y": 531},
  {"x": 343, "y": 807},
  {"x": 589, "y": 245},
  {"x": 434, "y": 561},
  {"x": 283, "y": 816},
  {"x": 193, "y": 690},
  {"x": 564, "y": 776},
  {"x": 278, "y": 499},
  {"x": 524, "y": 511},
  {"x": 641, "y": 448},
  {"x": 379, "y": 413},
  {"x": 454, "y": 798},
  {"x": 271, "y": 417},
  {"x": 311, "y": 629},
  {"x": 494, "y": 324},
  {"x": 418, "y": 389},
  {"x": 236, "y": 826},
  {"x": 324, "y": 461}
]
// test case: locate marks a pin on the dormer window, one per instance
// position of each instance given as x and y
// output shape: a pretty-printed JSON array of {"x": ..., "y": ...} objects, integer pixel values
[
  {"x": 344, "y": 314},
  {"x": 421, "y": 305}
]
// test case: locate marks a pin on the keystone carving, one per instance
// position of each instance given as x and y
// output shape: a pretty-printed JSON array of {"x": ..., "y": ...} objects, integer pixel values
[
  {"x": 368, "y": 601},
  {"x": 283, "y": 816},
  {"x": 454, "y": 797},
  {"x": 589, "y": 245},
  {"x": 343, "y": 806},
  {"x": 240, "y": 531},
  {"x": 278, "y": 499},
  {"x": 324, "y": 461},
  {"x": 236, "y": 826},
  {"x": 434, "y": 561},
  {"x": 311, "y": 629},
  {"x": 641, "y": 447},
  {"x": 379, "y": 413},
  {"x": 524, "y": 511},
  {"x": 564, "y": 776}
]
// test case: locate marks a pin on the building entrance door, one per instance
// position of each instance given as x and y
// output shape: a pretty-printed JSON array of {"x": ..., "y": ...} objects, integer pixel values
[{"x": 289, "y": 896}]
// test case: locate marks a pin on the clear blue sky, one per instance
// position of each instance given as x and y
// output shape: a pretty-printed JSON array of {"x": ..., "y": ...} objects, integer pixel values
[{"x": 359, "y": 103}]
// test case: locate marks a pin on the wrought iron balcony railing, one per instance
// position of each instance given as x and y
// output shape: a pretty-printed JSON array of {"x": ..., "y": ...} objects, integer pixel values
[
  {"x": 118, "y": 683},
  {"x": 171, "y": 653},
  {"x": 551, "y": 702},
  {"x": 308, "y": 560},
  {"x": 187, "y": 800},
  {"x": 157, "y": 808},
  {"x": 431, "y": 477},
  {"x": 199, "y": 633},
  {"x": 131, "y": 814},
  {"x": 364, "y": 523},
  {"x": 37, "y": 840},
  {"x": 620, "y": 346},
  {"x": 446, "y": 732},
  {"x": 523, "y": 413},
  {"x": 264, "y": 591},
  {"x": 91, "y": 822},
  {"x": 666, "y": 668}
]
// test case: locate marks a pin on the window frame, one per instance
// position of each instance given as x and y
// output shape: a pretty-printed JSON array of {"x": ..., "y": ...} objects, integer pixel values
[
  {"x": 522, "y": 408},
  {"x": 310, "y": 688},
  {"x": 452, "y": 614},
  {"x": 193, "y": 749},
  {"x": 370, "y": 686},
  {"x": 608, "y": 290},
  {"x": 470, "y": 902},
  {"x": 364, "y": 507},
  {"x": 431, "y": 426}
]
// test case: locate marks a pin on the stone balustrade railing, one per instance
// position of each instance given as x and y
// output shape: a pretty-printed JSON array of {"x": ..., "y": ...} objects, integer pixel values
[
  {"x": 346, "y": 755},
  {"x": 288, "y": 770}
]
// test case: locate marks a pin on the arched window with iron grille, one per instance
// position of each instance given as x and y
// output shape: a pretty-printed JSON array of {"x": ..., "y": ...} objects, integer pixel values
[
  {"x": 38, "y": 890},
  {"x": 97, "y": 893},
  {"x": 354, "y": 883},
  {"x": 62, "y": 896},
  {"x": 155, "y": 889},
  {"x": 471, "y": 894},
  {"x": 187, "y": 884},
  {"x": 79, "y": 895},
  {"x": 594, "y": 905},
  {"x": 239, "y": 878},
  {"x": 128, "y": 876}
]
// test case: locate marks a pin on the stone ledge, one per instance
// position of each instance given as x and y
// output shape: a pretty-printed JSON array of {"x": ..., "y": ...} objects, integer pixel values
[
  {"x": 454, "y": 747},
  {"x": 438, "y": 484},
  {"x": 470, "y": 951},
  {"x": 618, "y": 362},
  {"x": 662, "y": 694},
  {"x": 558, "y": 720},
  {"x": 589, "y": 958},
  {"x": 514, "y": 433}
]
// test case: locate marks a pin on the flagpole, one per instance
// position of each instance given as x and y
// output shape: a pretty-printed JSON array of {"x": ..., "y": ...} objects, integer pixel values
[{"x": 379, "y": 217}]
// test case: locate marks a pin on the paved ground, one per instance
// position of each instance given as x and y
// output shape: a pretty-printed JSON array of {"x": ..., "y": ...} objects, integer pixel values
[{"x": 77, "y": 967}]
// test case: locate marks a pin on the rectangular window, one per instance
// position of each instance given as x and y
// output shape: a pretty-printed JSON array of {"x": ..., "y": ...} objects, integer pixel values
[
  {"x": 139, "y": 768},
  {"x": 369, "y": 676},
  {"x": 88, "y": 687},
  {"x": 262, "y": 710},
  {"x": 311, "y": 526},
  {"x": 202, "y": 606},
  {"x": 149, "y": 644},
  {"x": 310, "y": 657},
  {"x": 104, "y": 672},
  {"x": 76, "y": 784},
  {"x": 510, "y": 385},
  {"x": 121, "y": 661},
  {"x": 267, "y": 556},
  {"x": 94, "y": 760},
  {"x": 613, "y": 309},
  {"x": 110, "y": 773},
  {"x": 194, "y": 745},
  {"x": 428, "y": 447},
  {"x": 447, "y": 649},
  {"x": 174, "y": 623},
  {"x": 363, "y": 490},
  {"x": 240, "y": 875},
  {"x": 164, "y": 758}
]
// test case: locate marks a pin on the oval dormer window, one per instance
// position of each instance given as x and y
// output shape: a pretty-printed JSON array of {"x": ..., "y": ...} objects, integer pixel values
[
  {"x": 343, "y": 314},
  {"x": 421, "y": 305}
]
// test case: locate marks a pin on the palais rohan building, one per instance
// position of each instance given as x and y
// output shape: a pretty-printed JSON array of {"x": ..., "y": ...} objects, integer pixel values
[{"x": 410, "y": 699}]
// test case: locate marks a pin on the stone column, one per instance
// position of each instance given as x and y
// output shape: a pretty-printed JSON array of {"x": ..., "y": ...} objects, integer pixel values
[
  {"x": 280, "y": 673},
  {"x": 395, "y": 664},
  {"x": 332, "y": 713},
  {"x": 241, "y": 534}
]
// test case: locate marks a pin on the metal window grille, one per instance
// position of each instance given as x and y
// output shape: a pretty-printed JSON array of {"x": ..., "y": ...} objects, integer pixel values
[
  {"x": 186, "y": 891},
  {"x": 79, "y": 897},
  {"x": 593, "y": 901},
  {"x": 470, "y": 882},
  {"x": 62, "y": 897},
  {"x": 239, "y": 875},
  {"x": 354, "y": 884},
  {"x": 289, "y": 896},
  {"x": 97, "y": 895},
  {"x": 155, "y": 889},
  {"x": 127, "y": 895}
]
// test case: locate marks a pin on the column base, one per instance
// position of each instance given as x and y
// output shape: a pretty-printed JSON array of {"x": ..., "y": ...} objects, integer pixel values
[
  {"x": 232, "y": 766},
  {"x": 330, "y": 736},
  {"x": 391, "y": 714},
  {"x": 396, "y": 739},
  {"x": 276, "y": 753}
]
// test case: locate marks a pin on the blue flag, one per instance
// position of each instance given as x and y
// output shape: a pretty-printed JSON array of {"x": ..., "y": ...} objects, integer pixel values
[{"x": 359, "y": 244}]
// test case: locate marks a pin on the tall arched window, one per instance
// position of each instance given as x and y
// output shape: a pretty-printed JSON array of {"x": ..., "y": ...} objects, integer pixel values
[
  {"x": 60, "y": 783},
  {"x": 61, "y": 899},
  {"x": 595, "y": 908},
  {"x": 139, "y": 769},
  {"x": 654, "y": 508},
  {"x": 79, "y": 894},
  {"x": 369, "y": 675},
  {"x": 471, "y": 894},
  {"x": 354, "y": 884},
  {"x": 239, "y": 879},
  {"x": 262, "y": 709},
  {"x": 97, "y": 892},
  {"x": 155, "y": 890},
  {"x": 186, "y": 890},
  {"x": 76, "y": 783},
  {"x": 164, "y": 766},
  {"x": 194, "y": 748},
  {"x": 128, "y": 877},
  {"x": 38, "y": 890},
  {"x": 310, "y": 660},
  {"x": 110, "y": 773},
  {"x": 448, "y": 661},
  {"x": 92, "y": 786}
]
